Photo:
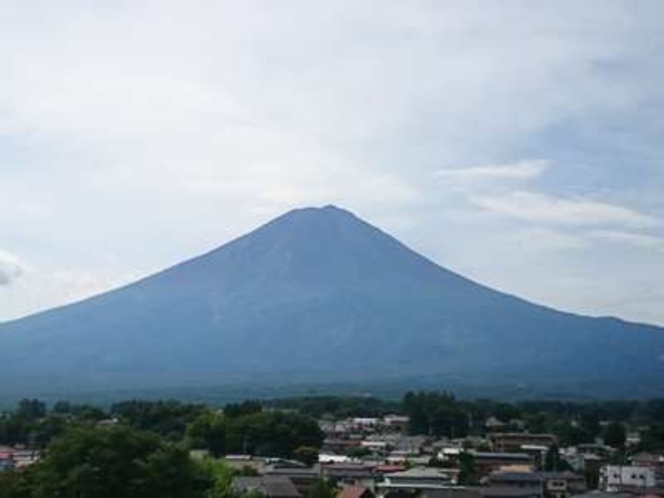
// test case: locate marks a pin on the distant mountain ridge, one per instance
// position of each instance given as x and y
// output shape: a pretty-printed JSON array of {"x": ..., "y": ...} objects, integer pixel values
[{"x": 319, "y": 295}]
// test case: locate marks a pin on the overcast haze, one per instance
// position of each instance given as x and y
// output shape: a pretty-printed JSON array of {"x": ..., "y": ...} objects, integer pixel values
[{"x": 518, "y": 143}]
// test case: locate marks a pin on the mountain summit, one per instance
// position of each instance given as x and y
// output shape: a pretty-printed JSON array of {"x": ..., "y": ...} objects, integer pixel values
[{"x": 320, "y": 295}]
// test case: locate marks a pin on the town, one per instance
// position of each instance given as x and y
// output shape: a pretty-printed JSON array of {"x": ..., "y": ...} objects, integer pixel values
[{"x": 427, "y": 445}]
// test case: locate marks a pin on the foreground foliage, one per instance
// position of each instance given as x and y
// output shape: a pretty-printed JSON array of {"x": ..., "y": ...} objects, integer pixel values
[{"x": 109, "y": 462}]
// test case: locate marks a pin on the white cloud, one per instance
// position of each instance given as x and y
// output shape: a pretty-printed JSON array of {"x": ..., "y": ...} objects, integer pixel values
[
  {"x": 631, "y": 238},
  {"x": 40, "y": 289},
  {"x": 540, "y": 208},
  {"x": 10, "y": 268},
  {"x": 518, "y": 171}
]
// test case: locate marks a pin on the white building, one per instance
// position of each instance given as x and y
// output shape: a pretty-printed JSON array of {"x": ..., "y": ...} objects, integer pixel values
[{"x": 615, "y": 478}]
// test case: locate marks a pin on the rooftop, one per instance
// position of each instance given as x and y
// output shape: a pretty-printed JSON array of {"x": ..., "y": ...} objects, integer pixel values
[
  {"x": 270, "y": 486},
  {"x": 506, "y": 456},
  {"x": 354, "y": 492},
  {"x": 424, "y": 473}
]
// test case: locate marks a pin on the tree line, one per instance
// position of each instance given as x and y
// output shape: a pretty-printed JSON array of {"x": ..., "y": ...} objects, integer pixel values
[{"x": 441, "y": 414}]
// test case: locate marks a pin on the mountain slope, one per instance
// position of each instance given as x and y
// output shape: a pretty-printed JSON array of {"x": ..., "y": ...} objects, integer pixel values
[{"x": 319, "y": 295}]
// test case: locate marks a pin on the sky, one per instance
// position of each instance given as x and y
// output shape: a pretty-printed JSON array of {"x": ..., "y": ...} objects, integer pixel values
[{"x": 516, "y": 142}]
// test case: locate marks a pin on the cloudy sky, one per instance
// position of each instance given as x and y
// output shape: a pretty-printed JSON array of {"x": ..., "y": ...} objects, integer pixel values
[{"x": 517, "y": 142}]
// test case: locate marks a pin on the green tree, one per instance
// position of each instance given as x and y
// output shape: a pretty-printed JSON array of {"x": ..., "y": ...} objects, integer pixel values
[
  {"x": 414, "y": 407},
  {"x": 570, "y": 434},
  {"x": 436, "y": 414},
  {"x": 590, "y": 423},
  {"x": 245, "y": 408},
  {"x": 653, "y": 438},
  {"x": 323, "y": 488},
  {"x": 93, "y": 462},
  {"x": 209, "y": 431},
  {"x": 271, "y": 434},
  {"x": 358, "y": 452},
  {"x": 220, "y": 476},
  {"x": 166, "y": 418},
  {"x": 615, "y": 435},
  {"x": 306, "y": 454},
  {"x": 13, "y": 485},
  {"x": 62, "y": 407},
  {"x": 31, "y": 410},
  {"x": 467, "y": 469}
]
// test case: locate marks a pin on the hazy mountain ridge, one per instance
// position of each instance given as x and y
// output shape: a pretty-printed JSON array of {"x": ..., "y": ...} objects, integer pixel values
[{"x": 320, "y": 294}]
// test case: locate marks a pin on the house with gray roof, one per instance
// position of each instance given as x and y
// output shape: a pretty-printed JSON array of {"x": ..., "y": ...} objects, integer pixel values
[{"x": 268, "y": 486}]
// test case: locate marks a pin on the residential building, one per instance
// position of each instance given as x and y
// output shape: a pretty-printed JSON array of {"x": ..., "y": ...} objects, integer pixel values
[
  {"x": 355, "y": 492},
  {"x": 268, "y": 486},
  {"x": 349, "y": 474},
  {"x": 626, "y": 478},
  {"x": 653, "y": 461},
  {"x": 514, "y": 441},
  {"x": 303, "y": 478},
  {"x": 451, "y": 492},
  {"x": 241, "y": 462},
  {"x": 397, "y": 423},
  {"x": 487, "y": 462},
  {"x": 418, "y": 479},
  {"x": 547, "y": 484},
  {"x": 7, "y": 461},
  {"x": 509, "y": 492}
]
